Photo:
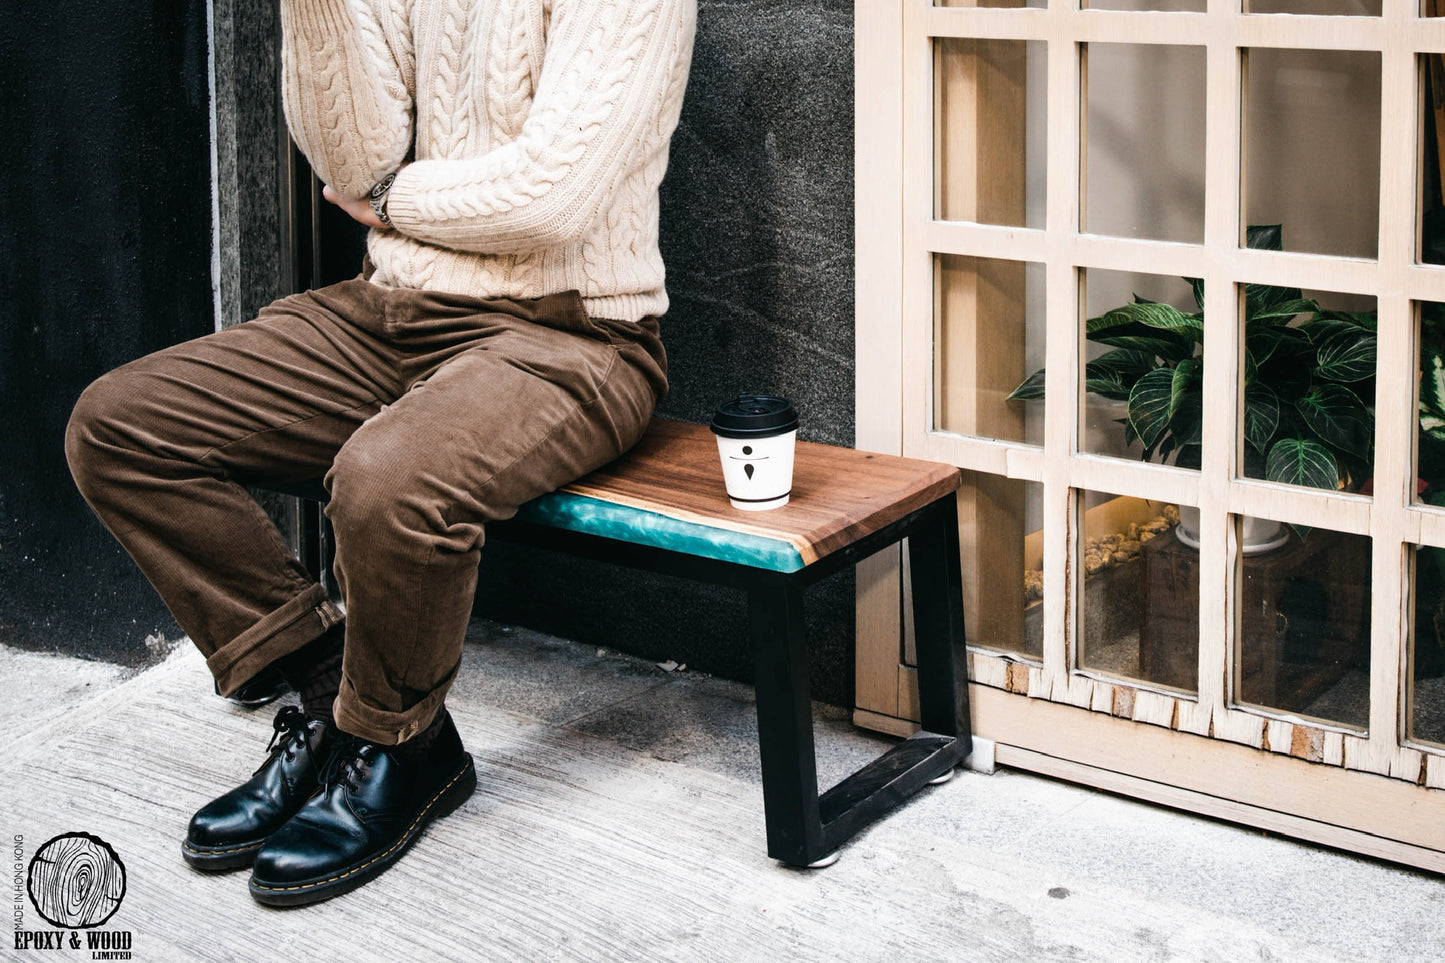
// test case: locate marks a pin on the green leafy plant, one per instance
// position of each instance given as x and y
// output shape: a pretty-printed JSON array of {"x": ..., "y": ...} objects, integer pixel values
[
  {"x": 1309, "y": 381},
  {"x": 1431, "y": 458},
  {"x": 1430, "y": 467}
]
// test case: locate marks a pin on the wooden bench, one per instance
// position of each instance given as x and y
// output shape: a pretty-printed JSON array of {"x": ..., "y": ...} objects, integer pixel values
[{"x": 662, "y": 507}]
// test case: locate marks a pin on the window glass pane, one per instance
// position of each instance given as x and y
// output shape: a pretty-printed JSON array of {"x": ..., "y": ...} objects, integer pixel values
[
  {"x": 1000, "y": 524},
  {"x": 1432, "y": 157},
  {"x": 1144, "y": 141},
  {"x": 1038, "y": 4},
  {"x": 1304, "y": 622},
  {"x": 988, "y": 337},
  {"x": 1317, "y": 8},
  {"x": 991, "y": 130},
  {"x": 1430, "y": 426},
  {"x": 1140, "y": 593},
  {"x": 1427, "y": 649},
  {"x": 1308, "y": 362},
  {"x": 1312, "y": 148},
  {"x": 1186, "y": 6},
  {"x": 1143, "y": 339}
]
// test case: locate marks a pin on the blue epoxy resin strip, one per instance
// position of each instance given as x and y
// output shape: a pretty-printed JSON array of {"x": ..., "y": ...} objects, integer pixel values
[{"x": 593, "y": 516}]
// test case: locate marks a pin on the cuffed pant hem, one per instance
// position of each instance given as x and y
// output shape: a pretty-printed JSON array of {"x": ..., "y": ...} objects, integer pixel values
[
  {"x": 380, "y": 726},
  {"x": 282, "y": 632}
]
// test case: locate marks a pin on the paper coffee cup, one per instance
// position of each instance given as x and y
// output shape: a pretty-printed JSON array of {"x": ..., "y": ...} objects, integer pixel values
[{"x": 756, "y": 435}]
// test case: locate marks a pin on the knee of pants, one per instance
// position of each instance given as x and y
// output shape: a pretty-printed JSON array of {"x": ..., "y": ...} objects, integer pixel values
[
  {"x": 382, "y": 504},
  {"x": 91, "y": 434}
]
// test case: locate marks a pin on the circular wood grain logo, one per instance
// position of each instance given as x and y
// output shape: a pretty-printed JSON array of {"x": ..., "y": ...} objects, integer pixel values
[{"x": 76, "y": 881}]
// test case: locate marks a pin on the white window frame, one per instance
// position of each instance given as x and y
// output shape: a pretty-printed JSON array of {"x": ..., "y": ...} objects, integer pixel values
[{"x": 1050, "y": 716}]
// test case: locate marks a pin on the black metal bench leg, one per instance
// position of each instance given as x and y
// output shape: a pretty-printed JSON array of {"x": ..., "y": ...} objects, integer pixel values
[
  {"x": 316, "y": 547},
  {"x": 311, "y": 550},
  {"x": 938, "y": 625},
  {"x": 804, "y": 827},
  {"x": 785, "y": 721}
]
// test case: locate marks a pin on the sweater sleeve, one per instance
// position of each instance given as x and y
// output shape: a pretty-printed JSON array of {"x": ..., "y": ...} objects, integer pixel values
[
  {"x": 348, "y": 75},
  {"x": 607, "y": 101}
]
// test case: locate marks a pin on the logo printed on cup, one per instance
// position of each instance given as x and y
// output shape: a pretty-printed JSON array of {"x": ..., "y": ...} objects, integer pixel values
[{"x": 756, "y": 435}]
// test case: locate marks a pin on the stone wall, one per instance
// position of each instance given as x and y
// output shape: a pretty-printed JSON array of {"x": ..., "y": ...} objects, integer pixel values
[
  {"x": 105, "y": 256},
  {"x": 757, "y": 233}
]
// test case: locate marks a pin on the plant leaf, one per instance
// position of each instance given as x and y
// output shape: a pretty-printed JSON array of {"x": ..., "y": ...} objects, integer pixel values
[
  {"x": 1262, "y": 340},
  {"x": 1264, "y": 237},
  {"x": 1338, "y": 417},
  {"x": 1105, "y": 383},
  {"x": 1031, "y": 389},
  {"x": 1125, "y": 361},
  {"x": 1300, "y": 461},
  {"x": 1432, "y": 393},
  {"x": 1347, "y": 355},
  {"x": 1260, "y": 299},
  {"x": 1187, "y": 425},
  {"x": 1114, "y": 373},
  {"x": 1154, "y": 315},
  {"x": 1360, "y": 319},
  {"x": 1321, "y": 329},
  {"x": 1261, "y": 416},
  {"x": 1156, "y": 344},
  {"x": 1197, "y": 286},
  {"x": 1187, "y": 374},
  {"x": 1124, "y": 328},
  {"x": 1152, "y": 403},
  {"x": 1286, "y": 311},
  {"x": 1286, "y": 368}
]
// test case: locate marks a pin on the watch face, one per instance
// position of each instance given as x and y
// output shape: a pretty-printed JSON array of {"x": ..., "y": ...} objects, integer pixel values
[
  {"x": 378, "y": 197},
  {"x": 382, "y": 186}
]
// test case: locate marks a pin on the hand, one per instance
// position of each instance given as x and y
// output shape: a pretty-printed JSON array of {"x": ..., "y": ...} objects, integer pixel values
[{"x": 357, "y": 208}]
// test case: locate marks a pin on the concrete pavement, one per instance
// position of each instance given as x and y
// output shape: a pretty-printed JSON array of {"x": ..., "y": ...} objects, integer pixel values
[{"x": 619, "y": 817}]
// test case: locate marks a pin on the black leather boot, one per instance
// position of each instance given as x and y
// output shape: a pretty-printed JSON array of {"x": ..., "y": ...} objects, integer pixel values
[
  {"x": 266, "y": 687},
  {"x": 228, "y": 831},
  {"x": 374, "y": 803}
]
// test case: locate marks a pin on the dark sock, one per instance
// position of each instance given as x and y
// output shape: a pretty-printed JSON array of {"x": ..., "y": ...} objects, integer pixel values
[
  {"x": 314, "y": 671},
  {"x": 422, "y": 742}
]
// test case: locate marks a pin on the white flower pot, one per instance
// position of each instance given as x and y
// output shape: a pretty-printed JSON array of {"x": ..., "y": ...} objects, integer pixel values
[{"x": 1260, "y": 534}]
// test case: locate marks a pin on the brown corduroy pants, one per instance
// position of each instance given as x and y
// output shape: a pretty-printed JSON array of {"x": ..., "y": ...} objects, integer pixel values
[{"x": 429, "y": 415}]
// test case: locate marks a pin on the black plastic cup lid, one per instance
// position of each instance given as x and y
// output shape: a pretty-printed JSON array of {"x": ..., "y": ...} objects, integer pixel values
[{"x": 754, "y": 416}]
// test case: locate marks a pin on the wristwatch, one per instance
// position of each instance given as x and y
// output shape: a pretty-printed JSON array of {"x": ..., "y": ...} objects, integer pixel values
[{"x": 378, "y": 197}]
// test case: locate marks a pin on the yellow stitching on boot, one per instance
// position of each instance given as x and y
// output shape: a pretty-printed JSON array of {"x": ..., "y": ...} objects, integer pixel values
[
  {"x": 186, "y": 845},
  {"x": 404, "y": 837}
]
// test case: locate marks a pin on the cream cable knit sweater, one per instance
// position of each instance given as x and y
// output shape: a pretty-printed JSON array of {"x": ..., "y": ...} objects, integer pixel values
[{"x": 539, "y": 130}]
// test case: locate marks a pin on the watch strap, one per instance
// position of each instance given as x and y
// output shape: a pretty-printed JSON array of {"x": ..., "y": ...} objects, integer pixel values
[{"x": 378, "y": 197}]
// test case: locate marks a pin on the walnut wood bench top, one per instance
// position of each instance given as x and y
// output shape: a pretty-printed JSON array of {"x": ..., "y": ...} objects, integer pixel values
[{"x": 674, "y": 476}]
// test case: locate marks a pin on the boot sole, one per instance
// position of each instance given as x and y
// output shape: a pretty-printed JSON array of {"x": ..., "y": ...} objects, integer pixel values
[
  {"x": 219, "y": 859},
  {"x": 455, "y": 792}
]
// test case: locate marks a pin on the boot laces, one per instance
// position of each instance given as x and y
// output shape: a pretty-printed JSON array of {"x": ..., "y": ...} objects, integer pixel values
[
  {"x": 288, "y": 726},
  {"x": 347, "y": 762}
]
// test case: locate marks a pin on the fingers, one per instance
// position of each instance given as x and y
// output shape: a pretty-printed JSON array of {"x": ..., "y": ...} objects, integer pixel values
[{"x": 357, "y": 208}]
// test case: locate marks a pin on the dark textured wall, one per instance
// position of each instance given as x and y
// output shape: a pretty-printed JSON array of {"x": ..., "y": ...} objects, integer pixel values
[
  {"x": 105, "y": 255},
  {"x": 252, "y": 178},
  {"x": 757, "y": 228},
  {"x": 110, "y": 260}
]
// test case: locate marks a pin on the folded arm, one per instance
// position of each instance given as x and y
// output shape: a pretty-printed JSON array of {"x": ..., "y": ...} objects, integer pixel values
[
  {"x": 348, "y": 71},
  {"x": 606, "y": 101}
]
